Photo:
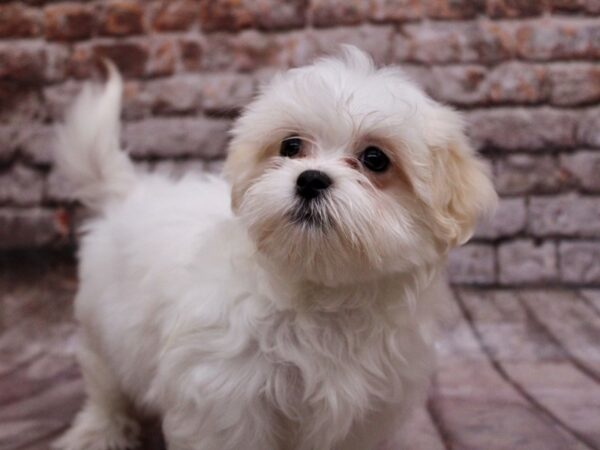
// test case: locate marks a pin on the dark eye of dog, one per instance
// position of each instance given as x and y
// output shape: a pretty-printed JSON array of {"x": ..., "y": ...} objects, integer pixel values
[
  {"x": 290, "y": 146},
  {"x": 374, "y": 159}
]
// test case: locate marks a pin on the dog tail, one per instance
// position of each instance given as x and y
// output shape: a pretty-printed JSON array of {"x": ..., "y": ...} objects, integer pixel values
[{"x": 87, "y": 152}]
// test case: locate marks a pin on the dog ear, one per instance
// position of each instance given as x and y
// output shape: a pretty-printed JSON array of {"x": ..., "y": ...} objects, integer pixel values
[
  {"x": 238, "y": 170},
  {"x": 460, "y": 187}
]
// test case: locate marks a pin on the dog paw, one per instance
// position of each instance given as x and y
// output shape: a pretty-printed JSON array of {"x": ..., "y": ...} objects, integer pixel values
[{"x": 94, "y": 432}]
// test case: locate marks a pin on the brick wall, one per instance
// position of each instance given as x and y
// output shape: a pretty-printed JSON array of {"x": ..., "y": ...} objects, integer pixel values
[{"x": 525, "y": 72}]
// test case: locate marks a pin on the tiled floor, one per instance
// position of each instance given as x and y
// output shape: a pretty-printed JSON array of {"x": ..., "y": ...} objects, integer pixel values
[{"x": 518, "y": 369}]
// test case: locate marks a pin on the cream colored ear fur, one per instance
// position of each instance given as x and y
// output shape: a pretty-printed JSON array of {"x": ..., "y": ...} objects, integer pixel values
[
  {"x": 240, "y": 168},
  {"x": 461, "y": 189}
]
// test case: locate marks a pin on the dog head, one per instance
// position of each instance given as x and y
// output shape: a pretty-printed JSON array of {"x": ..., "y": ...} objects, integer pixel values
[{"x": 342, "y": 171}]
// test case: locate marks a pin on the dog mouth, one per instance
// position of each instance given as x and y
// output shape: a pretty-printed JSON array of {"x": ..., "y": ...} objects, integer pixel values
[{"x": 312, "y": 214}]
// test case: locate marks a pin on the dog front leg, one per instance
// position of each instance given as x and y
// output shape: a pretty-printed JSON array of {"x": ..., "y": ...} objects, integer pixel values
[{"x": 106, "y": 421}]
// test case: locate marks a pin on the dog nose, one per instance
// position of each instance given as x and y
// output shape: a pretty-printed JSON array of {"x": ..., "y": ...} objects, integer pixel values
[{"x": 312, "y": 183}]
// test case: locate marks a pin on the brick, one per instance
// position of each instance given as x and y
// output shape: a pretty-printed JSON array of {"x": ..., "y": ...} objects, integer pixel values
[
  {"x": 396, "y": 10},
  {"x": 129, "y": 56},
  {"x": 442, "y": 42},
  {"x": 592, "y": 6},
  {"x": 162, "y": 59},
  {"x": 21, "y": 186},
  {"x": 31, "y": 62},
  {"x": 81, "y": 62},
  {"x": 580, "y": 262},
  {"x": 574, "y": 84},
  {"x": 584, "y": 168},
  {"x": 174, "y": 15},
  {"x": 58, "y": 97},
  {"x": 180, "y": 94},
  {"x": 460, "y": 85},
  {"x": 522, "y": 262},
  {"x": 565, "y": 215},
  {"x": 454, "y": 9},
  {"x": 121, "y": 18},
  {"x": 19, "y": 21},
  {"x": 588, "y": 129},
  {"x": 250, "y": 50},
  {"x": 476, "y": 85},
  {"x": 423, "y": 76},
  {"x": 376, "y": 41},
  {"x": 21, "y": 103},
  {"x": 472, "y": 264},
  {"x": 191, "y": 52},
  {"x": 137, "y": 100},
  {"x": 226, "y": 93},
  {"x": 326, "y": 13},
  {"x": 264, "y": 76},
  {"x": 232, "y": 15},
  {"x": 166, "y": 137},
  {"x": 552, "y": 38},
  {"x": 36, "y": 143},
  {"x": 514, "y": 8},
  {"x": 69, "y": 21},
  {"x": 566, "y": 5},
  {"x": 8, "y": 142},
  {"x": 23, "y": 62},
  {"x": 530, "y": 129},
  {"x": 57, "y": 60},
  {"x": 26, "y": 228},
  {"x": 571, "y": 6},
  {"x": 517, "y": 83},
  {"x": 510, "y": 219},
  {"x": 522, "y": 174}
]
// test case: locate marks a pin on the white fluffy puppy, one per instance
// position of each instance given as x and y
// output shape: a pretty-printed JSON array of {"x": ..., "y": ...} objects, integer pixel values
[{"x": 301, "y": 320}]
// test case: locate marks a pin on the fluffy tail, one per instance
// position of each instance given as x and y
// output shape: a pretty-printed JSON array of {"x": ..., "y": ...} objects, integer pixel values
[{"x": 88, "y": 153}]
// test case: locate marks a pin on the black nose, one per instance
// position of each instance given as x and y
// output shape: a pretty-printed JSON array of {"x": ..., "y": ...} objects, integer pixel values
[{"x": 312, "y": 183}]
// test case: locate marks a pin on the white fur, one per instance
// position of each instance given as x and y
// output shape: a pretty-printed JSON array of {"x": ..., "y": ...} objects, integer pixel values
[
  {"x": 250, "y": 331},
  {"x": 89, "y": 153}
]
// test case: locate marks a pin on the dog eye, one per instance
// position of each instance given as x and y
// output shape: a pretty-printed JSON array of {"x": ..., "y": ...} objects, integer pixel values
[
  {"x": 290, "y": 146},
  {"x": 374, "y": 159}
]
